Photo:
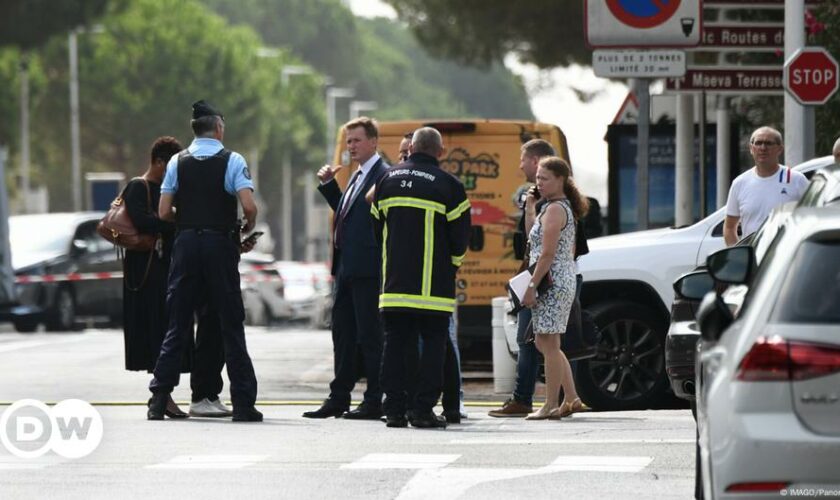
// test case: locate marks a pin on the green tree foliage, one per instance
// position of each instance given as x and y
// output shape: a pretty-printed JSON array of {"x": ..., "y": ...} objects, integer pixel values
[
  {"x": 138, "y": 79},
  {"x": 828, "y": 115},
  {"x": 30, "y": 23},
  {"x": 548, "y": 33},
  {"x": 321, "y": 32},
  {"x": 408, "y": 82},
  {"x": 381, "y": 60}
]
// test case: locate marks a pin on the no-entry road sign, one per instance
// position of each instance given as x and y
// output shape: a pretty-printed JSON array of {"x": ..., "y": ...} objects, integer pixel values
[
  {"x": 643, "y": 23},
  {"x": 810, "y": 75}
]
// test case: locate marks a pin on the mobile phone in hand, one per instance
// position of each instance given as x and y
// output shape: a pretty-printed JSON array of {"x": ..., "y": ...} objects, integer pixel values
[{"x": 252, "y": 238}]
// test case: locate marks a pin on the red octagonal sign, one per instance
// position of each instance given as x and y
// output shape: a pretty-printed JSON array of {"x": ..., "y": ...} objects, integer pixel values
[{"x": 811, "y": 75}]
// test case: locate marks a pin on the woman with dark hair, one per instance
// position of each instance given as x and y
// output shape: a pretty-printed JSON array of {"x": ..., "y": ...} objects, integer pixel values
[
  {"x": 552, "y": 238},
  {"x": 145, "y": 274}
]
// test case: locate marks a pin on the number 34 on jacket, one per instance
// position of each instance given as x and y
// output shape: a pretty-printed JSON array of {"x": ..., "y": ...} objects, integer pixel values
[{"x": 422, "y": 218}]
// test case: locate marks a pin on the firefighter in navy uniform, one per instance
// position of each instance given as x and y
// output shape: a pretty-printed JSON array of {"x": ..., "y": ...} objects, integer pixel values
[
  {"x": 423, "y": 218},
  {"x": 205, "y": 181}
]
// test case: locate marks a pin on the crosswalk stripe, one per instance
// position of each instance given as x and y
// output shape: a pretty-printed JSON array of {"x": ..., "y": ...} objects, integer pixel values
[
  {"x": 537, "y": 440},
  {"x": 209, "y": 462},
  {"x": 401, "y": 461},
  {"x": 600, "y": 463},
  {"x": 451, "y": 483}
]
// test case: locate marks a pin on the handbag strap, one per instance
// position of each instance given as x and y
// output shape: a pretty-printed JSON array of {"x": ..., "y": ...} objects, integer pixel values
[
  {"x": 151, "y": 252},
  {"x": 145, "y": 274}
]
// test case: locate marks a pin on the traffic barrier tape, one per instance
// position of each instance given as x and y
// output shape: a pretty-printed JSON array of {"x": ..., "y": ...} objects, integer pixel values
[
  {"x": 249, "y": 276},
  {"x": 472, "y": 404}
]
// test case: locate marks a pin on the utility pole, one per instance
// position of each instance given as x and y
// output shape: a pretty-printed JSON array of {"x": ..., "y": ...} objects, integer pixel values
[
  {"x": 24, "y": 132},
  {"x": 75, "y": 148}
]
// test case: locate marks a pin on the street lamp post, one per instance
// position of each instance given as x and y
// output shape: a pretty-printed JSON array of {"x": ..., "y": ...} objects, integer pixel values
[
  {"x": 24, "y": 132},
  {"x": 286, "y": 178},
  {"x": 356, "y": 107},
  {"x": 333, "y": 93},
  {"x": 75, "y": 147}
]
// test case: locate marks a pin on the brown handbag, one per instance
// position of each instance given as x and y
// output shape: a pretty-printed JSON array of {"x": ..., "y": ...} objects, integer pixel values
[{"x": 118, "y": 228}]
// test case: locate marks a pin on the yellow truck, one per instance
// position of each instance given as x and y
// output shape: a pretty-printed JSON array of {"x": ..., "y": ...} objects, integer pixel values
[{"x": 484, "y": 154}]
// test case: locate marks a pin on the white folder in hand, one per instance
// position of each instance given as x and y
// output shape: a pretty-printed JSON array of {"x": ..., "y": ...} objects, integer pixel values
[{"x": 517, "y": 286}]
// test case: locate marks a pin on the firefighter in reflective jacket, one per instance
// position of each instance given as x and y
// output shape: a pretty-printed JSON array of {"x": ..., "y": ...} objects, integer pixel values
[{"x": 422, "y": 217}]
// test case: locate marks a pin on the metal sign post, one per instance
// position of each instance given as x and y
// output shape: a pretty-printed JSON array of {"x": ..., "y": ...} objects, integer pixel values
[{"x": 642, "y": 148}]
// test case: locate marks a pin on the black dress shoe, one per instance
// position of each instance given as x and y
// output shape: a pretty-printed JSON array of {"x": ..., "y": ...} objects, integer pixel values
[
  {"x": 157, "y": 406},
  {"x": 364, "y": 412},
  {"x": 451, "y": 416},
  {"x": 396, "y": 421},
  {"x": 249, "y": 414},
  {"x": 327, "y": 410},
  {"x": 427, "y": 421}
]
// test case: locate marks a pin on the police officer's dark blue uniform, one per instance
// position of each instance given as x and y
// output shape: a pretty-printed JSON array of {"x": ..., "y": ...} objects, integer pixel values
[{"x": 204, "y": 182}]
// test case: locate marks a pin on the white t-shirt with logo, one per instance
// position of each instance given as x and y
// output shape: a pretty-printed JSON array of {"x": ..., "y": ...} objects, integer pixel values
[{"x": 752, "y": 197}]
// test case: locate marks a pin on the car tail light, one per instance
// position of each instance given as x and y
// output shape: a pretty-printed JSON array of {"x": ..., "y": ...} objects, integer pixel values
[
  {"x": 813, "y": 360},
  {"x": 762, "y": 487},
  {"x": 775, "y": 359}
]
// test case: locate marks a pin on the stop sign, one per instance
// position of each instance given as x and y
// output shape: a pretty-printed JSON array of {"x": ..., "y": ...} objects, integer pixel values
[{"x": 811, "y": 75}]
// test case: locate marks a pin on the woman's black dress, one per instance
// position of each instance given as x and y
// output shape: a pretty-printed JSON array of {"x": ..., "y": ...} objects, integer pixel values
[{"x": 144, "y": 311}]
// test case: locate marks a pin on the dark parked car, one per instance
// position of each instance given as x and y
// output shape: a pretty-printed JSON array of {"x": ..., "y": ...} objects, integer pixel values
[{"x": 60, "y": 244}]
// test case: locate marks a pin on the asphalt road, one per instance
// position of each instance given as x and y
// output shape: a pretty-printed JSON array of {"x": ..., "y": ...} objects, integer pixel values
[{"x": 624, "y": 455}]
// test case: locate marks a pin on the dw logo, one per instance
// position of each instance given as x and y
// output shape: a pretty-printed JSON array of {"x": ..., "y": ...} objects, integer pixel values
[{"x": 30, "y": 428}]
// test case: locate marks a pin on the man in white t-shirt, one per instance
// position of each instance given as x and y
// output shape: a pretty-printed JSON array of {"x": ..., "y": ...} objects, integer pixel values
[
  {"x": 836, "y": 151},
  {"x": 756, "y": 192}
]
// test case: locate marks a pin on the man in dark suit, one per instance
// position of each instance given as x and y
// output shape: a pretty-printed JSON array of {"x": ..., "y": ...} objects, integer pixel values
[{"x": 356, "y": 266}]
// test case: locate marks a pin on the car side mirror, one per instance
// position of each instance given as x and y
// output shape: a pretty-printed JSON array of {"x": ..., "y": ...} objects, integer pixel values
[
  {"x": 694, "y": 285},
  {"x": 713, "y": 317},
  {"x": 733, "y": 265},
  {"x": 79, "y": 247}
]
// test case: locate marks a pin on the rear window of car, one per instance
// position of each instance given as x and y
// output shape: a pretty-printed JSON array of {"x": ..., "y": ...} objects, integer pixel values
[{"x": 811, "y": 291}]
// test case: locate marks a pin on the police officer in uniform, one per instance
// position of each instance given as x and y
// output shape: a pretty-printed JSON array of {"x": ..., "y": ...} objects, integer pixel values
[
  {"x": 423, "y": 218},
  {"x": 204, "y": 182}
]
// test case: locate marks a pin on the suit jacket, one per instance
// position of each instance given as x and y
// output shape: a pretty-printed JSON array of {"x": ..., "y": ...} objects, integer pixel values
[{"x": 360, "y": 256}]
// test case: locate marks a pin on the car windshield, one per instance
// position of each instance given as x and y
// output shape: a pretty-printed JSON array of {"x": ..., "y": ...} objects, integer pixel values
[
  {"x": 27, "y": 235},
  {"x": 811, "y": 292}
]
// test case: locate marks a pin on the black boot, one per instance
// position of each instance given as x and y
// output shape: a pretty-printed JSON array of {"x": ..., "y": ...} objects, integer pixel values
[
  {"x": 249, "y": 414},
  {"x": 157, "y": 406}
]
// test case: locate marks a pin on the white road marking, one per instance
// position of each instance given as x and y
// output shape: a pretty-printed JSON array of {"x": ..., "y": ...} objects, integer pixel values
[
  {"x": 401, "y": 461},
  {"x": 14, "y": 463},
  {"x": 451, "y": 483},
  {"x": 603, "y": 463},
  {"x": 537, "y": 440},
  {"x": 446, "y": 484},
  {"x": 209, "y": 462},
  {"x": 21, "y": 466}
]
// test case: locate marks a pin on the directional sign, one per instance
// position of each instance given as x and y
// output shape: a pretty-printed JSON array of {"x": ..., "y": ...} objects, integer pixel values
[
  {"x": 638, "y": 63},
  {"x": 764, "y": 81},
  {"x": 643, "y": 23},
  {"x": 753, "y": 3},
  {"x": 811, "y": 75},
  {"x": 743, "y": 37}
]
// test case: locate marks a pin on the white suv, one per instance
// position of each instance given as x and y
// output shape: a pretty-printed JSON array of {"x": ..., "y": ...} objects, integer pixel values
[{"x": 627, "y": 287}]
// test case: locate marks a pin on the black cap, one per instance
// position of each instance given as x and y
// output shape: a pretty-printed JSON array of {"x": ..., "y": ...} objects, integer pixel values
[{"x": 202, "y": 108}]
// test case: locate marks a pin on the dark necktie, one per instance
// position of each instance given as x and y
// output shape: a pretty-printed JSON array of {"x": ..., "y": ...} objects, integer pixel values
[{"x": 345, "y": 206}]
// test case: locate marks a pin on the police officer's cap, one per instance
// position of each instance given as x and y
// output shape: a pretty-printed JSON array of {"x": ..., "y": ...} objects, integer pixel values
[{"x": 202, "y": 108}]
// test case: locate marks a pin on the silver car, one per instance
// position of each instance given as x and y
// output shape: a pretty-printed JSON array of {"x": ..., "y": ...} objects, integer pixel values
[{"x": 768, "y": 382}]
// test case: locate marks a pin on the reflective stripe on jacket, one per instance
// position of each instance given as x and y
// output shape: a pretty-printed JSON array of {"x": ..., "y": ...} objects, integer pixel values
[{"x": 422, "y": 216}]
